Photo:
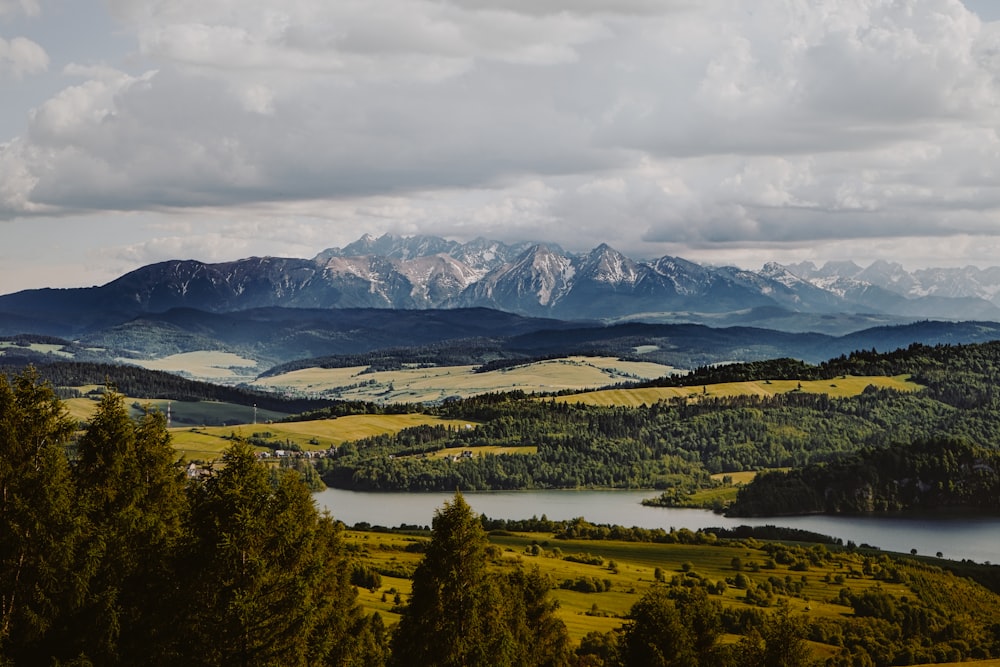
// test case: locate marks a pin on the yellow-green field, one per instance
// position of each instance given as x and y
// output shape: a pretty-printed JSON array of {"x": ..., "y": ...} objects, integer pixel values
[
  {"x": 482, "y": 451},
  {"x": 425, "y": 385},
  {"x": 743, "y": 477},
  {"x": 202, "y": 364},
  {"x": 839, "y": 387},
  {"x": 631, "y": 573},
  {"x": 208, "y": 442}
]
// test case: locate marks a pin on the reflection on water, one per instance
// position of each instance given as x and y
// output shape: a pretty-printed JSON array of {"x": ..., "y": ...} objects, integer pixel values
[{"x": 976, "y": 538}]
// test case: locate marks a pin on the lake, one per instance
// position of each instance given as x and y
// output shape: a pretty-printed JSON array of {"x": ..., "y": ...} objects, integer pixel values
[{"x": 957, "y": 537}]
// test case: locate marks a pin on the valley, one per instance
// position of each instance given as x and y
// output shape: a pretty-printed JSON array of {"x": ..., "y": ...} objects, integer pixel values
[{"x": 856, "y": 425}]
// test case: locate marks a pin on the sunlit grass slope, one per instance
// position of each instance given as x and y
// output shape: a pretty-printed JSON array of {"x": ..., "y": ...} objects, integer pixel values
[
  {"x": 838, "y": 387},
  {"x": 209, "y": 442},
  {"x": 426, "y": 385},
  {"x": 631, "y": 568}
]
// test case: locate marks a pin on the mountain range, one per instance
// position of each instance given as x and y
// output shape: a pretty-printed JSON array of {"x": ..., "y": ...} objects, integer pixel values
[
  {"x": 425, "y": 299},
  {"x": 531, "y": 279}
]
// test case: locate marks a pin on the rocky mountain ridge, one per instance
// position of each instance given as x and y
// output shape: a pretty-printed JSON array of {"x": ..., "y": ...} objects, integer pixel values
[{"x": 540, "y": 280}]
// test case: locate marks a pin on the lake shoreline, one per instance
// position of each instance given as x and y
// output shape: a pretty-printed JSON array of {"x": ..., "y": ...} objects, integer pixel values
[{"x": 958, "y": 538}]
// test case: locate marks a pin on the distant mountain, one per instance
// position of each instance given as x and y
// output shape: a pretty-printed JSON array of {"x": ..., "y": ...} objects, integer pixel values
[
  {"x": 923, "y": 289},
  {"x": 534, "y": 280}
]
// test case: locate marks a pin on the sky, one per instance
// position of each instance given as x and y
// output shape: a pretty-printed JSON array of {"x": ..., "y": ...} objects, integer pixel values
[{"x": 722, "y": 131}]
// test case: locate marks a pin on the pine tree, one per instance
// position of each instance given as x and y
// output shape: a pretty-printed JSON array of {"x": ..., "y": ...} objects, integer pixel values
[
  {"x": 461, "y": 614},
  {"x": 265, "y": 579},
  {"x": 39, "y": 529},
  {"x": 131, "y": 492}
]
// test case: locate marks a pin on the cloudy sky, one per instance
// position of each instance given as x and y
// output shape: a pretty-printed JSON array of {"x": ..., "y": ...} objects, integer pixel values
[{"x": 723, "y": 131}]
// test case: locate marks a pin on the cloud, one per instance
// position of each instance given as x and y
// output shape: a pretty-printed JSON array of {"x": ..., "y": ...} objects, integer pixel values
[
  {"x": 20, "y": 57},
  {"x": 711, "y": 124},
  {"x": 17, "y": 7}
]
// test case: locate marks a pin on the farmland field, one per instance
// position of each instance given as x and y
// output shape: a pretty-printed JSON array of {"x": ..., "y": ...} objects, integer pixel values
[
  {"x": 198, "y": 439},
  {"x": 203, "y": 364},
  {"x": 839, "y": 387},
  {"x": 429, "y": 385},
  {"x": 209, "y": 442},
  {"x": 483, "y": 451}
]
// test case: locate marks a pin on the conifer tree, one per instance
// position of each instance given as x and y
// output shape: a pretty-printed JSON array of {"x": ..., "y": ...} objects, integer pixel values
[
  {"x": 39, "y": 529},
  {"x": 265, "y": 580},
  {"x": 461, "y": 614},
  {"x": 131, "y": 492}
]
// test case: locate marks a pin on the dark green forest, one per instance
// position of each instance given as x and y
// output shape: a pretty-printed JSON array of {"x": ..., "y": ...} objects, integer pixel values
[
  {"x": 927, "y": 475},
  {"x": 138, "y": 382},
  {"x": 111, "y": 556}
]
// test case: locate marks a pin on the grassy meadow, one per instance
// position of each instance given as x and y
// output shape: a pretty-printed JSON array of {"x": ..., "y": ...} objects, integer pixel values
[
  {"x": 836, "y": 388},
  {"x": 428, "y": 385},
  {"x": 199, "y": 433},
  {"x": 482, "y": 451},
  {"x": 208, "y": 442},
  {"x": 631, "y": 568},
  {"x": 203, "y": 364},
  {"x": 43, "y": 348},
  {"x": 199, "y": 442}
]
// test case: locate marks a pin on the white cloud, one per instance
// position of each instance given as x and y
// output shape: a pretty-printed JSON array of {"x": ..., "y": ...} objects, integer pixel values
[
  {"x": 20, "y": 57},
  {"x": 713, "y": 124},
  {"x": 16, "y": 7}
]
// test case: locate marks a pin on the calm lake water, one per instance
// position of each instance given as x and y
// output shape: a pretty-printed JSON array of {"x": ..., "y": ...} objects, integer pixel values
[{"x": 975, "y": 538}]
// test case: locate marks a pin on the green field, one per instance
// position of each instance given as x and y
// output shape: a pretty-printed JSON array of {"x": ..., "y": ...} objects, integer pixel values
[
  {"x": 839, "y": 387},
  {"x": 200, "y": 442},
  {"x": 205, "y": 443},
  {"x": 482, "y": 451},
  {"x": 429, "y": 385},
  {"x": 631, "y": 568}
]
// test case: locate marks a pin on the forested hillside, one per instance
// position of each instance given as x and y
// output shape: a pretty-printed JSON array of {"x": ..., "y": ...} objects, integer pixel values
[
  {"x": 678, "y": 444},
  {"x": 937, "y": 474},
  {"x": 138, "y": 382}
]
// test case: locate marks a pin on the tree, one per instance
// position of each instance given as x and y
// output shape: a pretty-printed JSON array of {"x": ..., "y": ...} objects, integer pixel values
[
  {"x": 38, "y": 523},
  {"x": 131, "y": 493},
  {"x": 460, "y": 613},
  {"x": 541, "y": 636},
  {"x": 266, "y": 579},
  {"x": 779, "y": 643},
  {"x": 655, "y": 635}
]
